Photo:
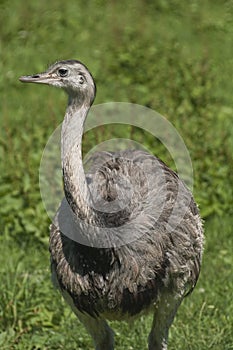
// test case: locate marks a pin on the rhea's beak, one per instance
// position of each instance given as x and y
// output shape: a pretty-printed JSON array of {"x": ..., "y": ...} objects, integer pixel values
[{"x": 42, "y": 78}]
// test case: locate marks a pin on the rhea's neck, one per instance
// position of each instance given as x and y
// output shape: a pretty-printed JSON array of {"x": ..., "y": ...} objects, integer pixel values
[{"x": 75, "y": 185}]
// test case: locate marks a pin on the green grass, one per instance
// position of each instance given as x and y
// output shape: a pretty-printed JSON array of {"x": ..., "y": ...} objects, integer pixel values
[{"x": 175, "y": 57}]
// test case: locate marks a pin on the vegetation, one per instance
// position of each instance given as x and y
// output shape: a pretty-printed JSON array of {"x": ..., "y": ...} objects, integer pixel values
[{"x": 172, "y": 56}]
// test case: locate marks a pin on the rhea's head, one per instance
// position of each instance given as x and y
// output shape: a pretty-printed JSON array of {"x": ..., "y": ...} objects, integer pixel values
[{"x": 70, "y": 75}]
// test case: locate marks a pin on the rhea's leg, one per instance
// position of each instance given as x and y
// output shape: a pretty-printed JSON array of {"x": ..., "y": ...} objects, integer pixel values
[
  {"x": 99, "y": 330},
  {"x": 164, "y": 314}
]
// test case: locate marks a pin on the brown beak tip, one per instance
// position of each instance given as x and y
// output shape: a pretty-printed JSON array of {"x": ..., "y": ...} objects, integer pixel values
[
  {"x": 24, "y": 79},
  {"x": 29, "y": 78}
]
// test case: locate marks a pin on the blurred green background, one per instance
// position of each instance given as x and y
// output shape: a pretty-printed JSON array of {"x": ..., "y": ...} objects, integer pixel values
[{"x": 175, "y": 57}]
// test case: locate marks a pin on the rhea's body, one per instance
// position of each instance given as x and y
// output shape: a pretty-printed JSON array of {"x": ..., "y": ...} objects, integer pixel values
[{"x": 128, "y": 237}]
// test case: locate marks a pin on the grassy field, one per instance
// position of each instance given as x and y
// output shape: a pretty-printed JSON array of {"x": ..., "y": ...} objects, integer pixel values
[{"x": 172, "y": 56}]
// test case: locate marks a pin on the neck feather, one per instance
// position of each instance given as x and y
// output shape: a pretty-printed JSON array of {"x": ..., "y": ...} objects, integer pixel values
[{"x": 75, "y": 185}]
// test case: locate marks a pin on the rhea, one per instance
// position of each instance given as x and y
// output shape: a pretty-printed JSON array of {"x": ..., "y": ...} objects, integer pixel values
[{"x": 128, "y": 237}]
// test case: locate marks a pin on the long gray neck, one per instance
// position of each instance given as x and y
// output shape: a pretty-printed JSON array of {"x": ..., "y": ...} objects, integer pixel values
[{"x": 75, "y": 185}]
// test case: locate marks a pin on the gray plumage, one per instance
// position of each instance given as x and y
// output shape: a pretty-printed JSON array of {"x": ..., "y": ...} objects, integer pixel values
[{"x": 137, "y": 232}]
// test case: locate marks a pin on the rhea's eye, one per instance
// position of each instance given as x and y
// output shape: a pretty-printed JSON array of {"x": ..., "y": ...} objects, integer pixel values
[{"x": 63, "y": 72}]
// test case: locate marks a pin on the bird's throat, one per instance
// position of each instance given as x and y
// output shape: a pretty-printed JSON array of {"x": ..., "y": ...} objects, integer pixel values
[{"x": 75, "y": 186}]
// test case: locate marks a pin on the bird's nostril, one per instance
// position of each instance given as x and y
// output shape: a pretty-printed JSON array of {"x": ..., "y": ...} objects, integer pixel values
[{"x": 35, "y": 76}]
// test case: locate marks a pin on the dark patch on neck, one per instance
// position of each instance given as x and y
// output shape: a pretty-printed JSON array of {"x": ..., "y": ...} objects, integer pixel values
[{"x": 84, "y": 259}]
